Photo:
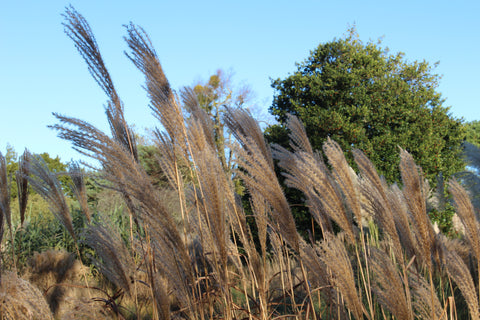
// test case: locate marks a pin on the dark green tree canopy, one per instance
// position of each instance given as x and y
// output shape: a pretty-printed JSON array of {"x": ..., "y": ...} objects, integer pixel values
[
  {"x": 363, "y": 97},
  {"x": 473, "y": 132}
]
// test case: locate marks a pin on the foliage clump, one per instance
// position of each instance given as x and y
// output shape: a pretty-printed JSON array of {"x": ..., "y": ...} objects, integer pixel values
[{"x": 472, "y": 129}]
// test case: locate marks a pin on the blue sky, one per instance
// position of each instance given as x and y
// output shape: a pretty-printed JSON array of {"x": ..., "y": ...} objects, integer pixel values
[{"x": 41, "y": 71}]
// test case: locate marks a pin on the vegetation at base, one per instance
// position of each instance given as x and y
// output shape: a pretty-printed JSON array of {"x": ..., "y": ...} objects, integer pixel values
[{"x": 162, "y": 233}]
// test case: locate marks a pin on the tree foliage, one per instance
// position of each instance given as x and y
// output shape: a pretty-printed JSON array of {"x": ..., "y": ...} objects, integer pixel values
[
  {"x": 472, "y": 129},
  {"x": 363, "y": 97}
]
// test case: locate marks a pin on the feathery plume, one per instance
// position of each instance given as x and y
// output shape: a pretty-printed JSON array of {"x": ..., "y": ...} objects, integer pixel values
[
  {"x": 243, "y": 125},
  {"x": 457, "y": 224},
  {"x": 415, "y": 192},
  {"x": 319, "y": 275},
  {"x": 309, "y": 174},
  {"x": 469, "y": 178},
  {"x": 120, "y": 130},
  {"x": 145, "y": 58},
  {"x": 141, "y": 197},
  {"x": 213, "y": 205},
  {"x": 373, "y": 190},
  {"x": 408, "y": 235},
  {"x": 77, "y": 28},
  {"x": 458, "y": 271},
  {"x": 4, "y": 195},
  {"x": 344, "y": 176},
  {"x": 467, "y": 215},
  {"x": 298, "y": 135},
  {"x": 116, "y": 262},
  {"x": 170, "y": 158},
  {"x": 198, "y": 116},
  {"x": 22, "y": 184},
  {"x": 422, "y": 298},
  {"x": 46, "y": 184},
  {"x": 79, "y": 188},
  {"x": 388, "y": 285},
  {"x": 336, "y": 258},
  {"x": 258, "y": 171},
  {"x": 162, "y": 100},
  {"x": 261, "y": 210}
]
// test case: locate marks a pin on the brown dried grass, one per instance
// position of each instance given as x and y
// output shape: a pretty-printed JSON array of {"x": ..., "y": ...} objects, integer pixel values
[
  {"x": 50, "y": 270},
  {"x": 21, "y": 300},
  {"x": 22, "y": 184}
]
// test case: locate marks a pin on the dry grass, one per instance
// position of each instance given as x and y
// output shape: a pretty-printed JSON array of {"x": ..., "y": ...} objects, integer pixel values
[
  {"x": 46, "y": 184},
  {"x": 86, "y": 309},
  {"x": 459, "y": 272},
  {"x": 51, "y": 269},
  {"x": 115, "y": 261},
  {"x": 388, "y": 285},
  {"x": 79, "y": 188},
  {"x": 415, "y": 191},
  {"x": 337, "y": 260},
  {"x": 22, "y": 184},
  {"x": 4, "y": 198},
  {"x": 203, "y": 258},
  {"x": 21, "y": 300},
  {"x": 375, "y": 200},
  {"x": 77, "y": 28},
  {"x": 424, "y": 305},
  {"x": 258, "y": 172}
]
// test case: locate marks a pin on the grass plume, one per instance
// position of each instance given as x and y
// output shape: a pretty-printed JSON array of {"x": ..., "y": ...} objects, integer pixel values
[
  {"x": 79, "y": 188},
  {"x": 46, "y": 184},
  {"x": 78, "y": 29},
  {"x": 22, "y": 184}
]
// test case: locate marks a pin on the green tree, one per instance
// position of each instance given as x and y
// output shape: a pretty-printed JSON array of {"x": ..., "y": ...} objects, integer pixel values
[
  {"x": 472, "y": 129},
  {"x": 363, "y": 97}
]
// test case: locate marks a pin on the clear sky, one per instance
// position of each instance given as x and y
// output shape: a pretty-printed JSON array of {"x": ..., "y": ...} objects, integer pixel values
[{"x": 41, "y": 71}]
